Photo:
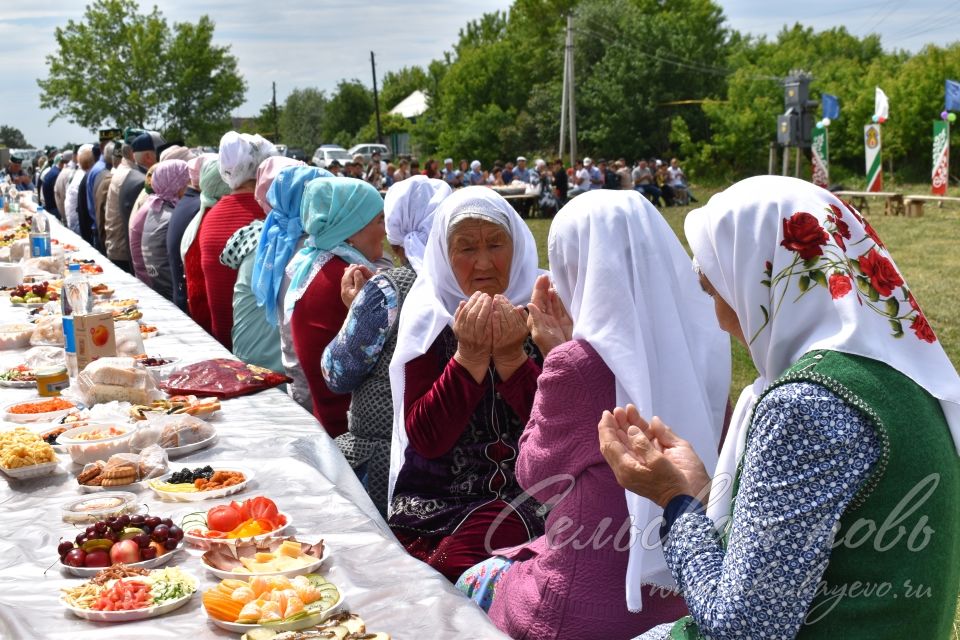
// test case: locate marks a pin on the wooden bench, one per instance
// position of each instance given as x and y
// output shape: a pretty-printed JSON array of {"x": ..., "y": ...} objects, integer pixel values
[
  {"x": 914, "y": 204},
  {"x": 893, "y": 203}
]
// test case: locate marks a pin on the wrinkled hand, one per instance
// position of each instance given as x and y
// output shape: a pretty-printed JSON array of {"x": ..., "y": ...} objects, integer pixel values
[
  {"x": 549, "y": 323},
  {"x": 472, "y": 326},
  {"x": 509, "y": 326},
  {"x": 648, "y": 459},
  {"x": 352, "y": 281}
]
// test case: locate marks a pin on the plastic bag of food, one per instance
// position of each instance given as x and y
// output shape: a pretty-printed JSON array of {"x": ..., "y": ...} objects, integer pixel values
[
  {"x": 223, "y": 378},
  {"x": 115, "y": 379},
  {"x": 125, "y": 468},
  {"x": 128, "y": 338},
  {"x": 49, "y": 331},
  {"x": 172, "y": 431},
  {"x": 43, "y": 357}
]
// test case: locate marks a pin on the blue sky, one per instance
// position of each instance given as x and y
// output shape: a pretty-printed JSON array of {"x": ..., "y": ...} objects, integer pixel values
[{"x": 315, "y": 43}]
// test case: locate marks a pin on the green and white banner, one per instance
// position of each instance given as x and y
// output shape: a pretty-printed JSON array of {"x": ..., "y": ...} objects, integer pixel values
[
  {"x": 941, "y": 157},
  {"x": 821, "y": 158},
  {"x": 871, "y": 143}
]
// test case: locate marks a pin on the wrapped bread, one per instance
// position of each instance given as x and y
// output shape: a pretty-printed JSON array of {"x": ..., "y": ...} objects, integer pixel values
[
  {"x": 173, "y": 431},
  {"x": 116, "y": 379}
]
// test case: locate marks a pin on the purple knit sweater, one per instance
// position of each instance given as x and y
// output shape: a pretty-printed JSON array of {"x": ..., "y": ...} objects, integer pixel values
[{"x": 561, "y": 590}]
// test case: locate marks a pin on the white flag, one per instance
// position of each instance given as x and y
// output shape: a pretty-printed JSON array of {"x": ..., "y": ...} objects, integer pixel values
[{"x": 881, "y": 107}]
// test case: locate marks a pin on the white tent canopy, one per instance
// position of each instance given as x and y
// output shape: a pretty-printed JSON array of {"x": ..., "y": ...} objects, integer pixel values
[{"x": 412, "y": 106}]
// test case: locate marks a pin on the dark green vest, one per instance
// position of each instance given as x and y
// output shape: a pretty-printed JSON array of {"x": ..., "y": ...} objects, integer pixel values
[{"x": 894, "y": 571}]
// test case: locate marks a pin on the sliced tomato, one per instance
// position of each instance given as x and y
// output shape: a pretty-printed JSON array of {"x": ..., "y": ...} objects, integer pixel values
[
  {"x": 261, "y": 508},
  {"x": 225, "y": 517}
]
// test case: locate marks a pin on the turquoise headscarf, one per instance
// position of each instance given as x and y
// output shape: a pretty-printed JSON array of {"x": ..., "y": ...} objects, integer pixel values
[
  {"x": 281, "y": 231},
  {"x": 332, "y": 210}
]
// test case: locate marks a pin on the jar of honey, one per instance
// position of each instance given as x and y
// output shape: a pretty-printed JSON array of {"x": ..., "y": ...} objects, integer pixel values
[{"x": 51, "y": 381}]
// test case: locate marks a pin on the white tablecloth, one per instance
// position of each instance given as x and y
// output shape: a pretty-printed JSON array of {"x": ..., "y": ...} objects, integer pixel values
[{"x": 295, "y": 463}]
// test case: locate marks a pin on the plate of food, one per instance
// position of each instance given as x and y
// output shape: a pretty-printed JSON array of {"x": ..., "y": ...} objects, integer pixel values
[
  {"x": 15, "y": 335},
  {"x": 141, "y": 541},
  {"x": 339, "y": 625},
  {"x": 271, "y": 557},
  {"x": 132, "y": 597},
  {"x": 201, "y": 483},
  {"x": 101, "y": 290},
  {"x": 33, "y": 295},
  {"x": 148, "y": 331},
  {"x": 19, "y": 377},
  {"x": 242, "y": 606},
  {"x": 39, "y": 410},
  {"x": 24, "y": 455},
  {"x": 90, "y": 509},
  {"x": 254, "y": 519},
  {"x": 190, "y": 405}
]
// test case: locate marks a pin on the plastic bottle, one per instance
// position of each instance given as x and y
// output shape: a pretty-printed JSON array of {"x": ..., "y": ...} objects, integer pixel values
[
  {"x": 39, "y": 234},
  {"x": 74, "y": 300}
]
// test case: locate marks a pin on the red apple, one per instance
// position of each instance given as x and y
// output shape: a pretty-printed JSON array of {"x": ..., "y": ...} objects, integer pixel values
[
  {"x": 97, "y": 559},
  {"x": 125, "y": 551}
]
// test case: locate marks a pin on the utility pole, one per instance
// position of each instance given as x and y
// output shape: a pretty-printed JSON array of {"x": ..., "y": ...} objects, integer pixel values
[
  {"x": 563, "y": 99},
  {"x": 571, "y": 93},
  {"x": 376, "y": 99},
  {"x": 276, "y": 119}
]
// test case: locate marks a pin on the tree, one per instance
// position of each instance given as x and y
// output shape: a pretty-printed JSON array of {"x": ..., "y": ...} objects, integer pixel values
[
  {"x": 301, "y": 123},
  {"x": 347, "y": 111},
  {"x": 12, "y": 137},
  {"x": 118, "y": 66}
]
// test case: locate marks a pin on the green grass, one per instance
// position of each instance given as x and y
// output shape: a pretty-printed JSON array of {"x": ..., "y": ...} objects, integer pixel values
[{"x": 925, "y": 249}]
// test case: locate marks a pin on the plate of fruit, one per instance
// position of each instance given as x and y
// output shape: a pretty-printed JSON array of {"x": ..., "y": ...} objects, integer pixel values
[
  {"x": 281, "y": 603},
  {"x": 253, "y": 519},
  {"x": 272, "y": 557},
  {"x": 33, "y": 295},
  {"x": 201, "y": 483},
  {"x": 122, "y": 594},
  {"x": 141, "y": 541}
]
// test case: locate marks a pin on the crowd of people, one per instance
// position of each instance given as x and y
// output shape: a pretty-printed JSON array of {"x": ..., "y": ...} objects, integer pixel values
[{"x": 544, "y": 439}]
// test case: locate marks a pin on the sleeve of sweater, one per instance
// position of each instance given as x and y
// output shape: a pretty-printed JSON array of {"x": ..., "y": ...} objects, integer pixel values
[
  {"x": 351, "y": 356},
  {"x": 440, "y": 397},
  {"x": 807, "y": 455},
  {"x": 561, "y": 436}
]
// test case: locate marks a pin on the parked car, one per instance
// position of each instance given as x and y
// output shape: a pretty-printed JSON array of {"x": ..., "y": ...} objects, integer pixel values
[
  {"x": 367, "y": 149},
  {"x": 327, "y": 153},
  {"x": 296, "y": 153}
]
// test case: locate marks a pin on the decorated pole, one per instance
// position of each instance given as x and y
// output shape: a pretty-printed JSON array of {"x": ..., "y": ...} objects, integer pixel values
[
  {"x": 941, "y": 157},
  {"x": 820, "y": 151},
  {"x": 871, "y": 142}
]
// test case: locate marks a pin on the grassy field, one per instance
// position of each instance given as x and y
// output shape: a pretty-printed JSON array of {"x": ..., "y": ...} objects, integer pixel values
[{"x": 925, "y": 249}]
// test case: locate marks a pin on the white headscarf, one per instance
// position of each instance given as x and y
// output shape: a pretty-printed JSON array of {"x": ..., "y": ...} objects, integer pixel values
[
  {"x": 408, "y": 208},
  {"x": 434, "y": 297},
  {"x": 241, "y": 154},
  {"x": 804, "y": 271},
  {"x": 629, "y": 287}
]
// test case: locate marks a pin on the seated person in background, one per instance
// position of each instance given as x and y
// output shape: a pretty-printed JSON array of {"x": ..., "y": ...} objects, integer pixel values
[
  {"x": 357, "y": 360},
  {"x": 662, "y": 179},
  {"x": 678, "y": 180},
  {"x": 643, "y": 182},
  {"x": 344, "y": 221},
  {"x": 639, "y": 327},
  {"x": 849, "y": 428},
  {"x": 463, "y": 379}
]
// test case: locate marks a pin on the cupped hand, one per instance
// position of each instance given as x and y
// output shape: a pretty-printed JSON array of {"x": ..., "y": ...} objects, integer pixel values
[
  {"x": 548, "y": 321},
  {"x": 352, "y": 281},
  {"x": 509, "y": 326},
  {"x": 471, "y": 326},
  {"x": 649, "y": 459}
]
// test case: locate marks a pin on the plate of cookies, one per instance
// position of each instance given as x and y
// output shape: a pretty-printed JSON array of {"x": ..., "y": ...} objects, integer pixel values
[{"x": 120, "y": 472}]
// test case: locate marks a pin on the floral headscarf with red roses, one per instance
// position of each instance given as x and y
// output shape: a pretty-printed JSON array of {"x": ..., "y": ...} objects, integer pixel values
[{"x": 805, "y": 271}]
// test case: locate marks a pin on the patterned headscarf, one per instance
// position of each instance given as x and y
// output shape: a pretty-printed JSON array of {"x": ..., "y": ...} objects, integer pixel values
[
  {"x": 240, "y": 155},
  {"x": 332, "y": 210},
  {"x": 243, "y": 241},
  {"x": 168, "y": 178},
  {"x": 281, "y": 231}
]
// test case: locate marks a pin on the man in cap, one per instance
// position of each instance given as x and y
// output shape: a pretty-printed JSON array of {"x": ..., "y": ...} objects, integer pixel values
[
  {"x": 17, "y": 175},
  {"x": 48, "y": 181},
  {"x": 145, "y": 155},
  {"x": 521, "y": 172},
  {"x": 475, "y": 177},
  {"x": 451, "y": 176},
  {"x": 115, "y": 230}
]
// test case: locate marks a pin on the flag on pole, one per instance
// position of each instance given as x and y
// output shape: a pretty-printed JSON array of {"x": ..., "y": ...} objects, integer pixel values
[
  {"x": 871, "y": 142},
  {"x": 821, "y": 158},
  {"x": 881, "y": 106},
  {"x": 952, "y": 92},
  {"x": 831, "y": 106},
  {"x": 941, "y": 157}
]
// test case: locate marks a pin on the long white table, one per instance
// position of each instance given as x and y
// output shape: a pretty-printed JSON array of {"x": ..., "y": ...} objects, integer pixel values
[{"x": 295, "y": 463}]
